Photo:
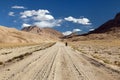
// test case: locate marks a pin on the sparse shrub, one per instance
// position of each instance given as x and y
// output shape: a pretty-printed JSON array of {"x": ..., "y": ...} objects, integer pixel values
[
  {"x": 101, "y": 58},
  {"x": 82, "y": 51},
  {"x": 117, "y": 63},
  {"x": 10, "y": 60},
  {"x": 109, "y": 53},
  {"x": 1, "y": 63},
  {"x": 8, "y": 69},
  {"x": 28, "y": 53},
  {"x": 22, "y": 56},
  {"x": 96, "y": 56},
  {"x": 96, "y": 52},
  {"x": 18, "y": 57},
  {"x": 106, "y": 61}
]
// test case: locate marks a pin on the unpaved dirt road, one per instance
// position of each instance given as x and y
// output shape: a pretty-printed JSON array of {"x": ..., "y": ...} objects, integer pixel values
[{"x": 57, "y": 63}]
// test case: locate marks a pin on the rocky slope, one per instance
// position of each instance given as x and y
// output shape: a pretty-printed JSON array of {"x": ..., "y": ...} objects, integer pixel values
[
  {"x": 50, "y": 33},
  {"x": 110, "y": 27}
]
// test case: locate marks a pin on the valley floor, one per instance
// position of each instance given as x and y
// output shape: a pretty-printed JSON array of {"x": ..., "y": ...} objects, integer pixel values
[{"x": 54, "y": 63}]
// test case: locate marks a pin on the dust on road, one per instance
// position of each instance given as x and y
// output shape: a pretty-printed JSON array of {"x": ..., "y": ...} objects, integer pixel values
[{"x": 55, "y": 63}]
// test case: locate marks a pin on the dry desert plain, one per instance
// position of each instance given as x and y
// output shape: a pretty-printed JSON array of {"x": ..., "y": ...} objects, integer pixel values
[{"x": 50, "y": 61}]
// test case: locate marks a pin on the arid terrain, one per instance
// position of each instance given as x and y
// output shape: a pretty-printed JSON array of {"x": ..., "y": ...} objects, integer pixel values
[
  {"x": 54, "y": 63},
  {"x": 101, "y": 44},
  {"x": 60, "y": 40},
  {"x": 37, "y": 54},
  {"x": 105, "y": 51},
  {"x": 12, "y": 35},
  {"x": 47, "y": 32}
]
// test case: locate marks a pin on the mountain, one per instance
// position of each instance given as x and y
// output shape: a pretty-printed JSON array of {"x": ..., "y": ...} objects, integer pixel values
[
  {"x": 110, "y": 27},
  {"x": 11, "y": 35},
  {"x": 48, "y": 32},
  {"x": 108, "y": 30}
]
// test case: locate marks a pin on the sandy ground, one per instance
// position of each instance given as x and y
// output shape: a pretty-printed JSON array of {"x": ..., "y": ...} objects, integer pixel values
[
  {"x": 107, "y": 51},
  {"x": 56, "y": 63}
]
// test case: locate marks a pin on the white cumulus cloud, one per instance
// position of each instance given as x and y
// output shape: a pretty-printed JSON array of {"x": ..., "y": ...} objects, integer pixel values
[
  {"x": 26, "y": 14},
  {"x": 67, "y": 33},
  {"x": 11, "y": 14},
  {"x": 18, "y": 7},
  {"x": 37, "y": 15},
  {"x": 83, "y": 21},
  {"x": 91, "y": 29},
  {"x": 41, "y": 18},
  {"x": 25, "y": 25},
  {"x": 77, "y": 30},
  {"x": 70, "y": 32},
  {"x": 48, "y": 23}
]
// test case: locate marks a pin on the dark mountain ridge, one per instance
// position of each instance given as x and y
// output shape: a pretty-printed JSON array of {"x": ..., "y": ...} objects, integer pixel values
[
  {"x": 108, "y": 30},
  {"x": 111, "y": 26}
]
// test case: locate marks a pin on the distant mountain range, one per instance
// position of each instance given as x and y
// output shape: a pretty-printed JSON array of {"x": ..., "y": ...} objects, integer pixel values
[
  {"x": 108, "y": 30},
  {"x": 48, "y": 32},
  {"x": 110, "y": 27},
  {"x": 30, "y": 34},
  {"x": 11, "y": 35}
]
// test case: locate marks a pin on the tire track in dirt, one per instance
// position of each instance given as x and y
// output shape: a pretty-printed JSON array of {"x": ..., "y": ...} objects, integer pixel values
[
  {"x": 24, "y": 66},
  {"x": 55, "y": 63},
  {"x": 89, "y": 71},
  {"x": 45, "y": 71},
  {"x": 34, "y": 66},
  {"x": 79, "y": 75}
]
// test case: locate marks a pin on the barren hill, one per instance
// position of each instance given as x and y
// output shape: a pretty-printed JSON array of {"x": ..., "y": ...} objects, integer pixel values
[
  {"x": 110, "y": 27},
  {"x": 48, "y": 32},
  {"x": 11, "y": 35}
]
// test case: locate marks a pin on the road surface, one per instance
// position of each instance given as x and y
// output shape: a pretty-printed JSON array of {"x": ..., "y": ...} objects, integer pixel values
[{"x": 56, "y": 63}]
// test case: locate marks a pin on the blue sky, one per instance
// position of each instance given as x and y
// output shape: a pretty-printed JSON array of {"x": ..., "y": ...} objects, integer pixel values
[{"x": 63, "y": 15}]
